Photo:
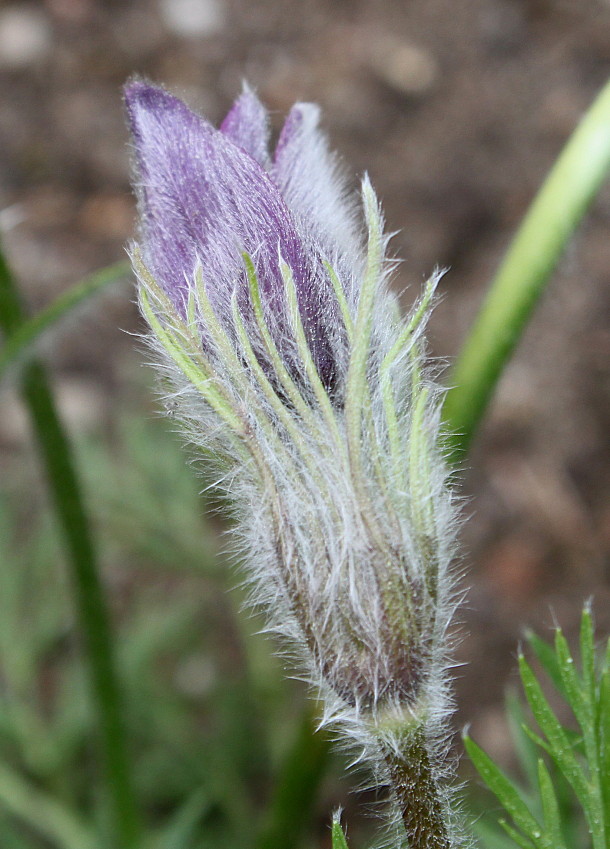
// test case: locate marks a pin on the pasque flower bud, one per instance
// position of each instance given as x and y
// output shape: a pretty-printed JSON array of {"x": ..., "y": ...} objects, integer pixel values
[{"x": 291, "y": 365}]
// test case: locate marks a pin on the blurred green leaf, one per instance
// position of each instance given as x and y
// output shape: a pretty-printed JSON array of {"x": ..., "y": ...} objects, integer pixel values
[
  {"x": 296, "y": 786},
  {"x": 181, "y": 830},
  {"x": 89, "y": 599},
  {"x": 148, "y": 498},
  {"x": 43, "y": 813},
  {"x": 551, "y": 220}
]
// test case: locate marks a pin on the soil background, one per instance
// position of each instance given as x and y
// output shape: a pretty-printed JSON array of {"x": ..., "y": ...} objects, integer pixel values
[{"x": 457, "y": 109}]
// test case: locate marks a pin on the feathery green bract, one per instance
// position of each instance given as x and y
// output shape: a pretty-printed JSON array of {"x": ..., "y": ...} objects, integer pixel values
[{"x": 580, "y": 761}]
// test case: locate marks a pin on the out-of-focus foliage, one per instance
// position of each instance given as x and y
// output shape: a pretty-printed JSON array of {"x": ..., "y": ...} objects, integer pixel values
[
  {"x": 563, "y": 801},
  {"x": 209, "y": 716}
]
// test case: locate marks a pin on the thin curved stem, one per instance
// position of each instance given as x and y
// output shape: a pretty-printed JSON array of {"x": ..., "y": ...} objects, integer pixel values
[{"x": 31, "y": 329}]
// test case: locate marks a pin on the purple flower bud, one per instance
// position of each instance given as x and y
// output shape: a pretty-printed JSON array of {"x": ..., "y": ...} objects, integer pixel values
[
  {"x": 292, "y": 365},
  {"x": 208, "y": 196}
]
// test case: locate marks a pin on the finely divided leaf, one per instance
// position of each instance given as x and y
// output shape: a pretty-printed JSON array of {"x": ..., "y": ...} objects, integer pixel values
[
  {"x": 548, "y": 659},
  {"x": 560, "y": 747},
  {"x": 550, "y": 806},
  {"x": 508, "y": 794}
]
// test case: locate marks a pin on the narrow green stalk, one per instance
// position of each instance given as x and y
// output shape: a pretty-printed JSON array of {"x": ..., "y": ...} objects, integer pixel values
[
  {"x": 27, "y": 333},
  {"x": 560, "y": 205},
  {"x": 89, "y": 595}
]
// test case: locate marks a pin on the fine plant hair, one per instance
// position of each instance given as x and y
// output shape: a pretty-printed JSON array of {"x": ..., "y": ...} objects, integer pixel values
[{"x": 312, "y": 397}]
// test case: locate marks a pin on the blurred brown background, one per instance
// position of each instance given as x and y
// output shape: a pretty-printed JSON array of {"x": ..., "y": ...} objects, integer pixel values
[{"x": 457, "y": 108}]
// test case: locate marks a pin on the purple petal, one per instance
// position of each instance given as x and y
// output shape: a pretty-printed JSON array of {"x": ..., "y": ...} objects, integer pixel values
[
  {"x": 204, "y": 200},
  {"x": 247, "y": 125},
  {"x": 307, "y": 175}
]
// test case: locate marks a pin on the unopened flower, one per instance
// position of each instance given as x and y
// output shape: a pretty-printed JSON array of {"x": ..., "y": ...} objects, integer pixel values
[{"x": 290, "y": 364}]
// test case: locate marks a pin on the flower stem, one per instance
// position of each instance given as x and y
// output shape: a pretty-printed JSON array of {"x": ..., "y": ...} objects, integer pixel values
[
  {"x": 552, "y": 218},
  {"x": 89, "y": 594},
  {"x": 415, "y": 790}
]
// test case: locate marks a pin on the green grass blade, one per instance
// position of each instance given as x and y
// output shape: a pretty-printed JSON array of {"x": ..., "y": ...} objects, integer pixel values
[
  {"x": 587, "y": 654},
  {"x": 604, "y": 738},
  {"x": 551, "y": 220},
  {"x": 582, "y": 708},
  {"x": 44, "y": 814},
  {"x": 338, "y": 836},
  {"x": 180, "y": 832},
  {"x": 64, "y": 485},
  {"x": 516, "y": 836},
  {"x": 548, "y": 659},
  {"x": 29, "y": 332},
  {"x": 582, "y": 700}
]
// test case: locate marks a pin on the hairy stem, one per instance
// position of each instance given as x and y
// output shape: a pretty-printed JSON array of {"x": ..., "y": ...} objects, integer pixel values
[{"x": 415, "y": 790}]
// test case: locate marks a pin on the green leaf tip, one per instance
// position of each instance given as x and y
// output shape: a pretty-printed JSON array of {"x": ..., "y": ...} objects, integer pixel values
[{"x": 338, "y": 836}]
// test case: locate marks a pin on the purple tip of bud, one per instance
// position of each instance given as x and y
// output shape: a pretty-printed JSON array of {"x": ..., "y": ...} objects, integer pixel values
[
  {"x": 205, "y": 198},
  {"x": 247, "y": 125}
]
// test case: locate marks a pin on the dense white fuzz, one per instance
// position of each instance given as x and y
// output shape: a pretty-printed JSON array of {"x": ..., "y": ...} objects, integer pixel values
[{"x": 343, "y": 512}]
